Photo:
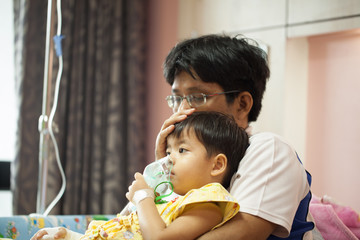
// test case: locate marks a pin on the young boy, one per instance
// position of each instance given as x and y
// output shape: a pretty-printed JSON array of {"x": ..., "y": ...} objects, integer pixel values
[
  {"x": 229, "y": 75},
  {"x": 202, "y": 169}
]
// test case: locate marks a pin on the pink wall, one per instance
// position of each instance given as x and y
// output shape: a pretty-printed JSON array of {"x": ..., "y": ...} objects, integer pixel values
[
  {"x": 162, "y": 36},
  {"x": 333, "y": 121}
]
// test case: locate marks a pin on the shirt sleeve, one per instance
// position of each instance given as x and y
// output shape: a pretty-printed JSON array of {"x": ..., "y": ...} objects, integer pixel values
[{"x": 270, "y": 182}]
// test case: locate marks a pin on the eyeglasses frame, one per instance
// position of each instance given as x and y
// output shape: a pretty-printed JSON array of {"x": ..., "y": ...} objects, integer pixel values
[{"x": 205, "y": 96}]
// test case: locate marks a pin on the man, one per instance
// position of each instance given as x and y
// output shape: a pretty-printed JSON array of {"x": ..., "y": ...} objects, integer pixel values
[{"x": 229, "y": 75}]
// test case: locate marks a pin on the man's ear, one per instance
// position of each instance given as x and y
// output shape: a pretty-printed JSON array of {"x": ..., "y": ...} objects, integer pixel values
[
  {"x": 219, "y": 165},
  {"x": 244, "y": 103}
]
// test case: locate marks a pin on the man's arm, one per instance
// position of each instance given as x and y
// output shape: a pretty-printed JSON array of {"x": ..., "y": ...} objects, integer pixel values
[{"x": 242, "y": 226}]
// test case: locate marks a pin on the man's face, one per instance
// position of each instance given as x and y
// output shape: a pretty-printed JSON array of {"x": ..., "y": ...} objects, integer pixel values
[{"x": 185, "y": 85}]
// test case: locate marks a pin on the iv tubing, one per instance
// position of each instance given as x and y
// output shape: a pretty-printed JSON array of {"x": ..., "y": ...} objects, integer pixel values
[
  {"x": 40, "y": 204},
  {"x": 53, "y": 109},
  {"x": 51, "y": 117}
]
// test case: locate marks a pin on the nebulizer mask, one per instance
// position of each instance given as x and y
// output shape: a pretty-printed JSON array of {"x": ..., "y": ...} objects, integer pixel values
[{"x": 157, "y": 176}]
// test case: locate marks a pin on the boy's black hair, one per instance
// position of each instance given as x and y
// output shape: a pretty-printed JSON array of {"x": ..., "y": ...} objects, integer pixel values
[
  {"x": 219, "y": 133},
  {"x": 233, "y": 63}
]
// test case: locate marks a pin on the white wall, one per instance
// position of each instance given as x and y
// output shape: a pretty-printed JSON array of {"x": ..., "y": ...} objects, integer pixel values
[{"x": 8, "y": 116}]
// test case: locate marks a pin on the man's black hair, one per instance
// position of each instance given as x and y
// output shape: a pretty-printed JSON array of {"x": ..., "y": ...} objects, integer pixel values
[{"x": 233, "y": 63}]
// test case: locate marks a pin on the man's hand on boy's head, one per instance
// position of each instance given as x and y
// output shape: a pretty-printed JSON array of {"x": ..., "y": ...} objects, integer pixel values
[
  {"x": 166, "y": 129},
  {"x": 138, "y": 184}
]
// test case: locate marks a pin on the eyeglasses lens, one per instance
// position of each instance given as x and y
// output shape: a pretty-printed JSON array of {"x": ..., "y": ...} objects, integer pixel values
[
  {"x": 194, "y": 100},
  {"x": 174, "y": 101},
  {"x": 197, "y": 100}
]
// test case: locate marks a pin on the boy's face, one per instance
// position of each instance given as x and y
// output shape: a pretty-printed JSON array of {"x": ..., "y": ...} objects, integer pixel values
[
  {"x": 185, "y": 85},
  {"x": 191, "y": 165}
]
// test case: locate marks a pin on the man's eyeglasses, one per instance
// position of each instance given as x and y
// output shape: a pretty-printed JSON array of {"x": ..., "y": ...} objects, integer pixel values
[{"x": 194, "y": 100}]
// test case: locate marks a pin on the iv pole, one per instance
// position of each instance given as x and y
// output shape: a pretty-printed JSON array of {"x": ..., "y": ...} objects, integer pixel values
[{"x": 43, "y": 119}]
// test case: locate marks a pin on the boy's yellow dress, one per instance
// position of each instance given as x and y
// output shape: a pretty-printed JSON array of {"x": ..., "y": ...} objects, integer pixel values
[{"x": 127, "y": 227}]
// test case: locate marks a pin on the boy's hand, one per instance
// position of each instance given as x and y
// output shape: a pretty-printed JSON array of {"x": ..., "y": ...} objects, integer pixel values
[
  {"x": 166, "y": 129},
  {"x": 138, "y": 184},
  {"x": 50, "y": 233}
]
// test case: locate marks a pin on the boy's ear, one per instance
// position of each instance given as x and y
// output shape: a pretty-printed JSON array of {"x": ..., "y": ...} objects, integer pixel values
[{"x": 219, "y": 165}]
